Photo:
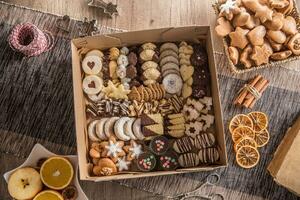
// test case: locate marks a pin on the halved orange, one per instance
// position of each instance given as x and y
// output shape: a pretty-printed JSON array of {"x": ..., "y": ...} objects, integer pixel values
[
  {"x": 57, "y": 173},
  {"x": 262, "y": 137},
  {"x": 245, "y": 141},
  {"x": 247, "y": 156},
  {"x": 239, "y": 120},
  {"x": 48, "y": 195},
  {"x": 260, "y": 121},
  {"x": 241, "y": 132}
]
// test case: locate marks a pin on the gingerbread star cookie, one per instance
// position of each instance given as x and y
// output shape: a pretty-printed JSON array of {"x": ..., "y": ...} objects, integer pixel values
[
  {"x": 239, "y": 38},
  {"x": 259, "y": 56}
]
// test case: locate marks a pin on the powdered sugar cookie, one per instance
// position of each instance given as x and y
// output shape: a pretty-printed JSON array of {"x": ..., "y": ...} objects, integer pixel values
[
  {"x": 100, "y": 129},
  {"x": 119, "y": 128},
  {"x": 92, "y": 65},
  {"x": 172, "y": 83},
  {"x": 109, "y": 126},
  {"x": 92, "y": 84}
]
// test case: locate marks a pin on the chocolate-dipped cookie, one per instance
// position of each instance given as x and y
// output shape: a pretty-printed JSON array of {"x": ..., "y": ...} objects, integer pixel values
[
  {"x": 205, "y": 140},
  {"x": 169, "y": 161},
  {"x": 199, "y": 57},
  {"x": 188, "y": 160},
  {"x": 146, "y": 162},
  {"x": 183, "y": 145},
  {"x": 209, "y": 155},
  {"x": 159, "y": 145}
]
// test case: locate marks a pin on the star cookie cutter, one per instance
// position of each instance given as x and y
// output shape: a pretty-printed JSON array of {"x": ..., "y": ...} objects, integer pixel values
[
  {"x": 87, "y": 28},
  {"x": 108, "y": 8}
]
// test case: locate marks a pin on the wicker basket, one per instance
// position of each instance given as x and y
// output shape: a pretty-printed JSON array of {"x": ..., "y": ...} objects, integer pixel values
[{"x": 238, "y": 69}]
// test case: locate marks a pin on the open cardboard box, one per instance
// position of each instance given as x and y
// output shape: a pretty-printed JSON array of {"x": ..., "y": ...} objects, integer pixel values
[{"x": 189, "y": 34}]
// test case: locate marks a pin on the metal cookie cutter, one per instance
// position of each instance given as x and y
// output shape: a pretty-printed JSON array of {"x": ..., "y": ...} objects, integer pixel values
[
  {"x": 211, "y": 180},
  {"x": 108, "y": 8},
  {"x": 86, "y": 28}
]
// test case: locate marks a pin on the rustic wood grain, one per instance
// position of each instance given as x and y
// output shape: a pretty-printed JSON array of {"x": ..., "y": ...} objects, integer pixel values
[{"x": 145, "y": 14}]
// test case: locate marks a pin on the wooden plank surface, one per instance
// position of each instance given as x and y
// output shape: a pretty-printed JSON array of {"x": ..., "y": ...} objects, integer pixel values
[{"x": 133, "y": 15}]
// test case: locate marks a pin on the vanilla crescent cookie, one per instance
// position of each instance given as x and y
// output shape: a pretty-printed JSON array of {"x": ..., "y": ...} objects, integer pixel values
[
  {"x": 170, "y": 46},
  {"x": 109, "y": 126},
  {"x": 92, "y": 131},
  {"x": 100, "y": 129},
  {"x": 92, "y": 65},
  {"x": 119, "y": 128},
  {"x": 128, "y": 128},
  {"x": 168, "y": 59},
  {"x": 137, "y": 129},
  {"x": 92, "y": 84},
  {"x": 172, "y": 83}
]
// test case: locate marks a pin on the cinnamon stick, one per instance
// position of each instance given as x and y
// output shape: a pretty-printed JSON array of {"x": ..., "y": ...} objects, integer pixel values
[
  {"x": 262, "y": 90},
  {"x": 258, "y": 86},
  {"x": 243, "y": 94}
]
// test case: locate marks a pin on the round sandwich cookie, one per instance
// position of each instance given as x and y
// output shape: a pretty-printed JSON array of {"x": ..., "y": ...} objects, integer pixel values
[
  {"x": 172, "y": 83},
  {"x": 137, "y": 129},
  {"x": 109, "y": 126},
  {"x": 188, "y": 160},
  {"x": 184, "y": 144},
  {"x": 95, "y": 52},
  {"x": 169, "y": 66},
  {"x": 169, "y": 161},
  {"x": 92, "y": 84},
  {"x": 119, "y": 128},
  {"x": 146, "y": 162},
  {"x": 169, "y": 59},
  {"x": 100, "y": 129},
  {"x": 205, "y": 140},
  {"x": 92, "y": 65},
  {"x": 209, "y": 155},
  {"x": 169, "y": 46},
  {"x": 159, "y": 145},
  {"x": 168, "y": 53}
]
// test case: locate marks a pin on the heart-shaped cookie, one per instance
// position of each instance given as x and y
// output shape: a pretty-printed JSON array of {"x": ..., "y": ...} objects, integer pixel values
[
  {"x": 186, "y": 72},
  {"x": 224, "y": 27}
]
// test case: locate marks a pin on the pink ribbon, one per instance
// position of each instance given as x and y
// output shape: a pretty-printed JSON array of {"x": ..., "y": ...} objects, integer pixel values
[{"x": 30, "y": 40}]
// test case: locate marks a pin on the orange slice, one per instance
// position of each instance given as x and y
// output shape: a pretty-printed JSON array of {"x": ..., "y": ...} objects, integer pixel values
[
  {"x": 240, "y": 120},
  {"x": 241, "y": 132},
  {"x": 57, "y": 173},
  {"x": 260, "y": 121},
  {"x": 48, "y": 195},
  {"x": 247, "y": 156},
  {"x": 262, "y": 138},
  {"x": 245, "y": 141}
]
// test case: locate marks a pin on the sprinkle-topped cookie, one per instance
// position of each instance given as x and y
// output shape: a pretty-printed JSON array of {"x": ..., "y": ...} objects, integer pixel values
[
  {"x": 159, "y": 145},
  {"x": 146, "y": 161},
  {"x": 169, "y": 161}
]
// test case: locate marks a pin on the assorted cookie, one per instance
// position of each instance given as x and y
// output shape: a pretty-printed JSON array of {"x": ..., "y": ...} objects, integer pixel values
[
  {"x": 258, "y": 32},
  {"x": 148, "y": 108}
]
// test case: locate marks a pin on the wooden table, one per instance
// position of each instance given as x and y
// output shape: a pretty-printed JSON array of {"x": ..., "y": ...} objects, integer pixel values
[{"x": 133, "y": 15}]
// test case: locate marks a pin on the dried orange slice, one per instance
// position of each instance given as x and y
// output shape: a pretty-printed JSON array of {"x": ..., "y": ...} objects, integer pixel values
[
  {"x": 48, "y": 194},
  {"x": 245, "y": 141},
  {"x": 240, "y": 120},
  {"x": 262, "y": 138},
  {"x": 247, "y": 156},
  {"x": 241, "y": 132},
  {"x": 260, "y": 121}
]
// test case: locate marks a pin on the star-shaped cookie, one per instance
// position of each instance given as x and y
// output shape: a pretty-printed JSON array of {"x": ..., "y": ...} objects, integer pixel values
[
  {"x": 239, "y": 38},
  {"x": 264, "y": 13},
  {"x": 259, "y": 55}
]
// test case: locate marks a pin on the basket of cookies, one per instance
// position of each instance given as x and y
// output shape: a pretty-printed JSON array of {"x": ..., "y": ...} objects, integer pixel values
[
  {"x": 147, "y": 104},
  {"x": 258, "y": 33}
]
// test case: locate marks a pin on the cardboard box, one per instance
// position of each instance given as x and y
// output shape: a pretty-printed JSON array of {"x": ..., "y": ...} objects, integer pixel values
[
  {"x": 190, "y": 34},
  {"x": 285, "y": 165}
]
